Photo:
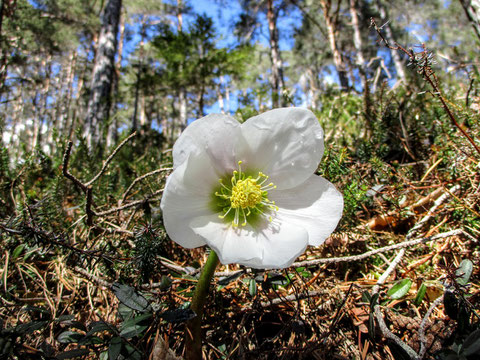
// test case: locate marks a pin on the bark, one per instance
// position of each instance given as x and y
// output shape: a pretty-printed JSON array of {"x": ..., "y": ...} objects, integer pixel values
[
  {"x": 102, "y": 76},
  {"x": 41, "y": 104},
  {"x": 66, "y": 89},
  {"x": 357, "y": 37},
  {"x": 112, "y": 134},
  {"x": 331, "y": 21},
  {"x": 397, "y": 61},
  {"x": 361, "y": 64},
  {"x": 182, "y": 92},
  {"x": 472, "y": 10},
  {"x": 278, "y": 84},
  {"x": 182, "y": 111},
  {"x": 221, "y": 102},
  {"x": 201, "y": 102},
  {"x": 139, "y": 74},
  {"x": 313, "y": 87},
  {"x": 75, "y": 104}
]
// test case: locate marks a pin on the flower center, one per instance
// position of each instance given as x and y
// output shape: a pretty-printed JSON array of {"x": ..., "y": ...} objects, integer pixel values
[
  {"x": 246, "y": 193},
  {"x": 244, "y": 197}
]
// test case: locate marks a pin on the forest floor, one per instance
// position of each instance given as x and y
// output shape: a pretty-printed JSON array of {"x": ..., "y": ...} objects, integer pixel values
[{"x": 398, "y": 277}]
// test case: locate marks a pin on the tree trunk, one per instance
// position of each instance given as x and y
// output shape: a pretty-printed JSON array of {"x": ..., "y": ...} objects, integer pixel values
[
  {"x": 62, "y": 117},
  {"x": 472, "y": 10},
  {"x": 182, "y": 92},
  {"x": 278, "y": 84},
  {"x": 221, "y": 102},
  {"x": 331, "y": 22},
  {"x": 361, "y": 64},
  {"x": 357, "y": 37},
  {"x": 397, "y": 61},
  {"x": 112, "y": 134},
  {"x": 102, "y": 75}
]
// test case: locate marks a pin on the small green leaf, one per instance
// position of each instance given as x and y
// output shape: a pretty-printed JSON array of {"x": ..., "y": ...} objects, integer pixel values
[
  {"x": 422, "y": 290},
  {"x": 252, "y": 287},
  {"x": 130, "y": 297},
  {"x": 30, "y": 327},
  {"x": 18, "y": 250},
  {"x": 68, "y": 337},
  {"x": 125, "y": 312},
  {"x": 366, "y": 297},
  {"x": 135, "y": 326},
  {"x": 114, "y": 348},
  {"x": 464, "y": 272},
  {"x": 400, "y": 289}
]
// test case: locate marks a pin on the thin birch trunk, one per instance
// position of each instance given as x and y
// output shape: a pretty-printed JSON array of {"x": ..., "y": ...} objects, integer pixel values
[
  {"x": 112, "y": 134},
  {"x": 221, "y": 102},
  {"x": 361, "y": 64},
  {"x": 397, "y": 61},
  {"x": 278, "y": 83},
  {"x": 178, "y": 126},
  {"x": 331, "y": 23}
]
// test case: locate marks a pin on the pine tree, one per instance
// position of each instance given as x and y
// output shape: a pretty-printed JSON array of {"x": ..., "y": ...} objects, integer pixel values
[{"x": 102, "y": 75}]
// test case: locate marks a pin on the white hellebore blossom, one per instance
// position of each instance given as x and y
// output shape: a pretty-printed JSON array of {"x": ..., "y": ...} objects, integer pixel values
[{"x": 249, "y": 190}]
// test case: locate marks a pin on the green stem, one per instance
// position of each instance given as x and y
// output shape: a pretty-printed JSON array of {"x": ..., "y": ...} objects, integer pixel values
[{"x": 193, "y": 332}]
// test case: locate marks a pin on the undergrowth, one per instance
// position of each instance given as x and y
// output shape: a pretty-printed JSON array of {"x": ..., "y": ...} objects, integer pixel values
[{"x": 111, "y": 289}]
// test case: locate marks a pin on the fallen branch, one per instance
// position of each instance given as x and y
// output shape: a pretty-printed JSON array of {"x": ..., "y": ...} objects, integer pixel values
[
  {"x": 367, "y": 254},
  {"x": 421, "y": 330}
]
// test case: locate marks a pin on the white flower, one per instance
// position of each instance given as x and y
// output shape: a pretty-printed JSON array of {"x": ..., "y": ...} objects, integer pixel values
[{"x": 249, "y": 190}]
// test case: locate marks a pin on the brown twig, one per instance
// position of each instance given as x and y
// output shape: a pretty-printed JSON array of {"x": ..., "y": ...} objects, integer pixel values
[
  {"x": 129, "y": 205},
  {"x": 467, "y": 95},
  {"x": 140, "y": 178},
  {"x": 66, "y": 173},
  {"x": 109, "y": 159}
]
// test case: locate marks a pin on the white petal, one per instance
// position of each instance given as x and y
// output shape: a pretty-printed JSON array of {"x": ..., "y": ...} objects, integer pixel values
[
  {"x": 315, "y": 205},
  {"x": 215, "y": 134},
  {"x": 187, "y": 195},
  {"x": 286, "y": 144},
  {"x": 271, "y": 246}
]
